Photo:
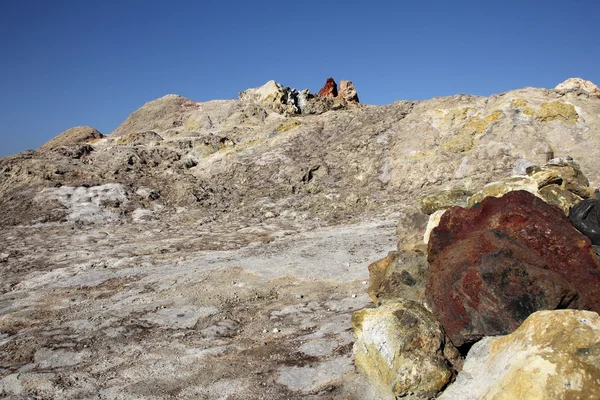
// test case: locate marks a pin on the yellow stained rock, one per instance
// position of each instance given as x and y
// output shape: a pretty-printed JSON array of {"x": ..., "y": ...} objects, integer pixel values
[
  {"x": 442, "y": 200},
  {"x": 288, "y": 125},
  {"x": 552, "y": 355},
  {"x": 400, "y": 345},
  {"x": 519, "y": 103},
  {"x": 497, "y": 189},
  {"x": 552, "y": 111},
  {"x": 459, "y": 143},
  {"x": 478, "y": 125}
]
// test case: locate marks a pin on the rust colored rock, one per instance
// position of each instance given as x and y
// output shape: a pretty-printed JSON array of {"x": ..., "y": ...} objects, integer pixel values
[
  {"x": 348, "y": 92},
  {"x": 496, "y": 263},
  {"x": 487, "y": 284},
  {"x": 329, "y": 90}
]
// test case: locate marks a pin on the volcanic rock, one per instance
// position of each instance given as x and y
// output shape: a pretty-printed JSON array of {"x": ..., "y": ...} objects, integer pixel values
[
  {"x": 579, "y": 84},
  {"x": 329, "y": 89},
  {"x": 138, "y": 138},
  {"x": 71, "y": 137},
  {"x": 274, "y": 96},
  {"x": 559, "y": 182},
  {"x": 348, "y": 92},
  {"x": 411, "y": 226},
  {"x": 158, "y": 115},
  {"x": 552, "y": 355},
  {"x": 249, "y": 230},
  {"x": 399, "y": 275},
  {"x": 443, "y": 200},
  {"x": 487, "y": 284},
  {"x": 402, "y": 346},
  {"x": 493, "y": 265}
]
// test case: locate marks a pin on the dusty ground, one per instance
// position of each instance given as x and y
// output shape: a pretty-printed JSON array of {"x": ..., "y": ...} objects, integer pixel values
[{"x": 159, "y": 311}]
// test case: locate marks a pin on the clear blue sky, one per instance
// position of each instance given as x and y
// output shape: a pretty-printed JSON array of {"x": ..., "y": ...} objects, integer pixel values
[{"x": 87, "y": 62}]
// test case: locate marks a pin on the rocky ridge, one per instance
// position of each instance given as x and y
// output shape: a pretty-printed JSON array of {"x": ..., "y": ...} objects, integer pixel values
[{"x": 204, "y": 237}]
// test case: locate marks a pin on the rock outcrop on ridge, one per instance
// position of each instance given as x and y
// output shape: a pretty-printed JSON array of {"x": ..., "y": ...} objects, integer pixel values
[
  {"x": 219, "y": 248},
  {"x": 329, "y": 89},
  {"x": 283, "y": 100},
  {"x": 579, "y": 84}
]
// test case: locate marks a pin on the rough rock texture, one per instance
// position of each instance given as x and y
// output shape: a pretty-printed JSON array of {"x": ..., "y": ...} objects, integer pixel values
[
  {"x": 348, "y": 92},
  {"x": 559, "y": 182},
  {"x": 157, "y": 115},
  {"x": 143, "y": 138},
  {"x": 274, "y": 96},
  {"x": 443, "y": 200},
  {"x": 493, "y": 265},
  {"x": 400, "y": 345},
  {"x": 487, "y": 284},
  {"x": 573, "y": 84},
  {"x": 398, "y": 275},
  {"x": 283, "y": 100},
  {"x": 553, "y": 355},
  {"x": 411, "y": 226},
  {"x": 263, "y": 215},
  {"x": 329, "y": 89},
  {"x": 71, "y": 137}
]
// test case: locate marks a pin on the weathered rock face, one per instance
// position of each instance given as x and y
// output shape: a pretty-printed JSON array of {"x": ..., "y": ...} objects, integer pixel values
[
  {"x": 443, "y": 200},
  {"x": 274, "y": 96},
  {"x": 72, "y": 137},
  {"x": 348, "y": 92},
  {"x": 146, "y": 137},
  {"x": 402, "y": 346},
  {"x": 283, "y": 100},
  {"x": 411, "y": 226},
  {"x": 559, "y": 182},
  {"x": 226, "y": 174},
  {"x": 579, "y": 84},
  {"x": 552, "y": 355},
  {"x": 329, "y": 89},
  {"x": 493, "y": 265},
  {"x": 487, "y": 284},
  {"x": 399, "y": 275}
]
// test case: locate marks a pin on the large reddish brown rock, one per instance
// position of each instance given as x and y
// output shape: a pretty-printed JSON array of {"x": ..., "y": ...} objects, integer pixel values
[
  {"x": 329, "y": 90},
  {"x": 494, "y": 264}
]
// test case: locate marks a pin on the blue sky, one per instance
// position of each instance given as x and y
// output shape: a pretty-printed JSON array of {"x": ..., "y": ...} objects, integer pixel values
[{"x": 68, "y": 63}]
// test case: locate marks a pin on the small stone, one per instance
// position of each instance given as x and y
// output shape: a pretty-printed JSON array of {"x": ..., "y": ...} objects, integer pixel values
[
  {"x": 264, "y": 331},
  {"x": 4, "y": 257},
  {"x": 275, "y": 330},
  {"x": 353, "y": 296}
]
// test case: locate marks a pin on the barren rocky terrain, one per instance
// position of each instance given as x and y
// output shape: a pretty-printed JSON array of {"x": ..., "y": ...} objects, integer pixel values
[{"x": 217, "y": 250}]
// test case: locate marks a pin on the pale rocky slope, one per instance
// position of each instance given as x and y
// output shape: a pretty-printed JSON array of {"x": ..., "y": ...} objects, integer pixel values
[{"x": 217, "y": 250}]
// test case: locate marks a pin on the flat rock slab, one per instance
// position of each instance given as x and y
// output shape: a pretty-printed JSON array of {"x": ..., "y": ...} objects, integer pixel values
[{"x": 123, "y": 320}]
